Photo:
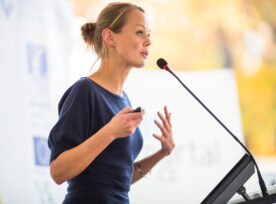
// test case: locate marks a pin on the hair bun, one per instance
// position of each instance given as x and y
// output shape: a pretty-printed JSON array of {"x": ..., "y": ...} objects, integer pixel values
[{"x": 87, "y": 32}]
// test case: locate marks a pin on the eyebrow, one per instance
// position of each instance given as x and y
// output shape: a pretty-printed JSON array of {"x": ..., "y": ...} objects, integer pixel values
[{"x": 143, "y": 27}]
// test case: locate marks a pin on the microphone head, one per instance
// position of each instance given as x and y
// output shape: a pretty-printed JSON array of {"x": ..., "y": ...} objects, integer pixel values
[{"x": 162, "y": 64}]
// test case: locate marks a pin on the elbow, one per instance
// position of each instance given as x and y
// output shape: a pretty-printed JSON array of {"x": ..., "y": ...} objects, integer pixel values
[
  {"x": 57, "y": 181},
  {"x": 54, "y": 174}
]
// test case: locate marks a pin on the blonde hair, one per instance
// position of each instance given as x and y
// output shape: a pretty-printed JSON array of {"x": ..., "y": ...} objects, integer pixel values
[{"x": 114, "y": 17}]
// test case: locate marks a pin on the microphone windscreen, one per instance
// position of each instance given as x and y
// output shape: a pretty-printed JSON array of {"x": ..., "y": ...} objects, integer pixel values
[{"x": 161, "y": 63}]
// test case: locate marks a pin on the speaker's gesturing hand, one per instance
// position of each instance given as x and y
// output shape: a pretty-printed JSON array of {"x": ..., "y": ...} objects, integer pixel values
[
  {"x": 125, "y": 122},
  {"x": 166, "y": 139}
]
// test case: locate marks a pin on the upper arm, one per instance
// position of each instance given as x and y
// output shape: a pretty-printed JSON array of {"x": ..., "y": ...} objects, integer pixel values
[{"x": 72, "y": 127}]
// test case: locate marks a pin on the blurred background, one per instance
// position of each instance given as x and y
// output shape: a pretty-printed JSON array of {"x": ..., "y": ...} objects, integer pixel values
[
  {"x": 212, "y": 34},
  {"x": 42, "y": 53}
]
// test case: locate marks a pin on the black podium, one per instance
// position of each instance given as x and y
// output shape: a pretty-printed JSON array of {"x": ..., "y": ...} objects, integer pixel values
[
  {"x": 257, "y": 198},
  {"x": 263, "y": 200},
  {"x": 232, "y": 182}
]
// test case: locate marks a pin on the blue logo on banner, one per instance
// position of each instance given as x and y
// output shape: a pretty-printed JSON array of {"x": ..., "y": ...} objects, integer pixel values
[
  {"x": 37, "y": 60},
  {"x": 42, "y": 151},
  {"x": 7, "y": 7}
]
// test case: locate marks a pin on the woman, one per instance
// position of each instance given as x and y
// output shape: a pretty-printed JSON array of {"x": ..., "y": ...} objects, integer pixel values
[{"x": 96, "y": 139}]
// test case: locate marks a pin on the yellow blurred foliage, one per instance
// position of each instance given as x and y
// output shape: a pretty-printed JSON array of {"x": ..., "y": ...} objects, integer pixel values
[{"x": 258, "y": 107}]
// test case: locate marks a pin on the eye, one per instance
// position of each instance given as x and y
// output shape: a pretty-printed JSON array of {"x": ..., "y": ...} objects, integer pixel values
[{"x": 139, "y": 32}]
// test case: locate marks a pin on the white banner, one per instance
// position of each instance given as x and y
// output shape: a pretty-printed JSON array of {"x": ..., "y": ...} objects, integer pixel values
[
  {"x": 204, "y": 151},
  {"x": 35, "y": 49}
]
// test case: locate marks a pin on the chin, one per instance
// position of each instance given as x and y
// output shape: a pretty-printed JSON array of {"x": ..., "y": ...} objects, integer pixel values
[{"x": 139, "y": 65}]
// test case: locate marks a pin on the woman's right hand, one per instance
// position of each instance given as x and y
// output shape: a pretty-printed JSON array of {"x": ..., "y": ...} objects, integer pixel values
[{"x": 125, "y": 122}]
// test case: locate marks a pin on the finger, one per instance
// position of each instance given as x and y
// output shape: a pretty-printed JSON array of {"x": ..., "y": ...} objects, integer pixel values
[
  {"x": 135, "y": 116},
  {"x": 168, "y": 115},
  {"x": 126, "y": 110},
  {"x": 158, "y": 137},
  {"x": 143, "y": 111},
  {"x": 163, "y": 130},
  {"x": 136, "y": 113},
  {"x": 164, "y": 121}
]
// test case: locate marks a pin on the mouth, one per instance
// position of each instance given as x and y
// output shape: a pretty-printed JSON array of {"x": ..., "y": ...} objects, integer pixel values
[{"x": 145, "y": 54}]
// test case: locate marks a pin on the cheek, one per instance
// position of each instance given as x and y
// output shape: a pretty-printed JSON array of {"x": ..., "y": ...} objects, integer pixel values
[
  {"x": 136, "y": 44},
  {"x": 132, "y": 43},
  {"x": 131, "y": 48}
]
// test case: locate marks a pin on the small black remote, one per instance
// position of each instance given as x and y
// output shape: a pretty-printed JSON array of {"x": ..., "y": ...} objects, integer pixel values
[{"x": 137, "y": 110}]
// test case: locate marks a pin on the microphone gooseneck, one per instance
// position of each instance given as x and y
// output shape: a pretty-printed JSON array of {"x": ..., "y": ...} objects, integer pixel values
[{"x": 162, "y": 64}]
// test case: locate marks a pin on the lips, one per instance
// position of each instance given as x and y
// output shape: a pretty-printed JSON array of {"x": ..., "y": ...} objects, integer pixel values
[{"x": 145, "y": 54}]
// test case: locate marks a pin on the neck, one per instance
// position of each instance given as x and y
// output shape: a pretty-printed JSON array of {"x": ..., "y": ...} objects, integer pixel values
[{"x": 111, "y": 75}]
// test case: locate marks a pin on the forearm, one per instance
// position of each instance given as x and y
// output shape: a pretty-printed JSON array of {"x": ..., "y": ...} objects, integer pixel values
[
  {"x": 147, "y": 164},
  {"x": 72, "y": 162}
]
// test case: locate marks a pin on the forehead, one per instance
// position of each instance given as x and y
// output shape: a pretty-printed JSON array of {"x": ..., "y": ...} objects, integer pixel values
[{"x": 135, "y": 18}]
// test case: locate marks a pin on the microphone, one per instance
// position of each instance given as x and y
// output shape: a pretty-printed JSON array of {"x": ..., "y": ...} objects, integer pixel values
[{"x": 162, "y": 64}]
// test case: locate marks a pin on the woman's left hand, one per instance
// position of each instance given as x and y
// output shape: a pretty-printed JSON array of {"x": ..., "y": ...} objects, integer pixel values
[{"x": 167, "y": 137}]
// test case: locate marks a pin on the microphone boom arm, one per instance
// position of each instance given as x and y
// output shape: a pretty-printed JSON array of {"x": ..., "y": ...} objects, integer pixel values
[{"x": 261, "y": 181}]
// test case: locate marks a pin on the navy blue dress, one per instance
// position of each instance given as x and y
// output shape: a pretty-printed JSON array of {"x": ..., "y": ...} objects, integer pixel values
[{"x": 83, "y": 109}]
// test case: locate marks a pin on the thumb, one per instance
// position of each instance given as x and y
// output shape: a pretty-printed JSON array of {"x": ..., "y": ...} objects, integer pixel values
[{"x": 126, "y": 110}]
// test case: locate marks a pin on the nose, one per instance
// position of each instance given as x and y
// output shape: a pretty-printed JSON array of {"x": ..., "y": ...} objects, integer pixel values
[{"x": 147, "y": 42}]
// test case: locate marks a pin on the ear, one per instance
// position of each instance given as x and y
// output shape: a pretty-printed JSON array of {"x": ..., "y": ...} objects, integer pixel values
[{"x": 108, "y": 37}]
